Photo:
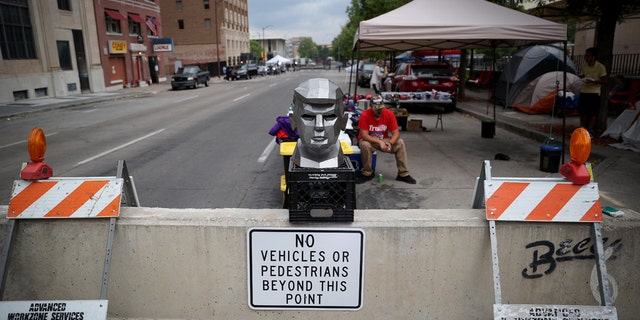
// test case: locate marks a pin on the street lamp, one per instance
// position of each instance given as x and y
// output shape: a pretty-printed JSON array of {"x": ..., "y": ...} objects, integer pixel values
[{"x": 264, "y": 50}]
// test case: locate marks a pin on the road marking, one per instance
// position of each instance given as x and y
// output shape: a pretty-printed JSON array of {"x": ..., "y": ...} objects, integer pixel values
[
  {"x": 242, "y": 97},
  {"x": 23, "y": 141},
  {"x": 119, "y": 147},
  {"x": 185, "y": 99},
  {"x": 267, "y": 151}
]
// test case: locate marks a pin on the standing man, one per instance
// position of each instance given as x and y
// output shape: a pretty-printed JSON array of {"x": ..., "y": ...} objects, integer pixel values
[
  {"x": 376, "y": 77},
  {"x": 379, "y": 131},
  {"x": 594, "y": 75}
]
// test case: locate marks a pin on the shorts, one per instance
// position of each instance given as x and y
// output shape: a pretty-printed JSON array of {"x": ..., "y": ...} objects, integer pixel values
[{"x": 589, "y": 104}]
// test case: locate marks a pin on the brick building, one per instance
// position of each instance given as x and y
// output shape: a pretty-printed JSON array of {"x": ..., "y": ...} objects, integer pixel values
[
  {"x": 48, "y": 49},
  {"x": 126, "y": 30},
  {"x": 209, "y": 33}
]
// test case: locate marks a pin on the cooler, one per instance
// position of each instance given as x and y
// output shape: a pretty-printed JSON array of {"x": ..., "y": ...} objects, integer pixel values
[{"x": 356, "y": 161}]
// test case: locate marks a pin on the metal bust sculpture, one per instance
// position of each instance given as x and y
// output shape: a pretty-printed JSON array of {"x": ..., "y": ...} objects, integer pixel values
[{"x": 318, "y": 115}]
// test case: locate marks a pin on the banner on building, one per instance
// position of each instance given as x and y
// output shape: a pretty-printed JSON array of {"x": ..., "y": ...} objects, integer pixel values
[{"x": 162, "y": 44}]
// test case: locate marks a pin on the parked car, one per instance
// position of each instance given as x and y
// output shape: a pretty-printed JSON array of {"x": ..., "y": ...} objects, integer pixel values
[
  {"x": 189, "y": 77},
  {"x": 426, "y": 76},
  {"x": 262, "y": 70},
  {"x": 364, "y": 74},
  {"x": 245, "y": 71}
]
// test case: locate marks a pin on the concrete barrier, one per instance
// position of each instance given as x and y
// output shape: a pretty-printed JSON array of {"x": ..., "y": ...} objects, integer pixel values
[{"x": 418, "y": 264}]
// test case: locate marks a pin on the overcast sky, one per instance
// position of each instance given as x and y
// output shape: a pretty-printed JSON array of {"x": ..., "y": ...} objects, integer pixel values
[{"x": 322, "y": 20}]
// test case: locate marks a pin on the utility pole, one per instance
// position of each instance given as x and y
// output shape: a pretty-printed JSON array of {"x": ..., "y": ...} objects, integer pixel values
[{"x": 264, "y": 44}]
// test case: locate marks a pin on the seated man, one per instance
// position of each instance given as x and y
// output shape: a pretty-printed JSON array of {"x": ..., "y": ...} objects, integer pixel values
[{"x": 379, "y": 131}]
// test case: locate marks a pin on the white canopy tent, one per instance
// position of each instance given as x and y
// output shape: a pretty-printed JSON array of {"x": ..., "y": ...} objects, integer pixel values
[
  {"x": 278, "y": 59},
  {"x": 454, "y": 24}
]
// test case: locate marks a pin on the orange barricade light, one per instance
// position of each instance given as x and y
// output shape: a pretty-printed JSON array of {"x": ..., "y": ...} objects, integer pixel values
[
  {"x": 36, "y": 169},
  {"x": 579, "y": 147}
]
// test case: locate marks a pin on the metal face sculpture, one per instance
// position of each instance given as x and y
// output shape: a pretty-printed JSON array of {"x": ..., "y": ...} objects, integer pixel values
[{"x": 318, "y": 115}]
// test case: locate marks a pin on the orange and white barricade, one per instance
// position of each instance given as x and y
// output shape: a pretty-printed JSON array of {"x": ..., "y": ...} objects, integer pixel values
[{"x": 542, "y": 200}]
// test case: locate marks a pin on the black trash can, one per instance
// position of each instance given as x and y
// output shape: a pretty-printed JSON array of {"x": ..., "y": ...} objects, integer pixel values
[
  {"x": 550, "y": 157},
  {"x": 488, "y": 128}
]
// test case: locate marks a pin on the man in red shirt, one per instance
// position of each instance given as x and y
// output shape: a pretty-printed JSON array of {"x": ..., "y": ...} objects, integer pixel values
[{"x": 379, "y": 131}]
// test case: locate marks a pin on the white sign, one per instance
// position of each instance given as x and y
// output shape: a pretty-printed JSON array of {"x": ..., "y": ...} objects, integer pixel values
[
  {"x": 553, "y": 312},
  {"x": 305, "y": 268},
  {"x": 163, "y": 47},
  {"x": 55, "y": 309}
]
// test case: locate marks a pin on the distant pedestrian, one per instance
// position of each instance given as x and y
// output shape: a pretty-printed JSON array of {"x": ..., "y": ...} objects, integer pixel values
[
  {"x": 594, "y": 75},
  {"x": 228, "y": 74},
  {"x": 376, "y": 77},
  {"x": 224, "y": 71}
]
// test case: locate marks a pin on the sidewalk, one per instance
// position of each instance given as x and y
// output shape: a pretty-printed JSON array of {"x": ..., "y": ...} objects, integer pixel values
[
  {"x": 21, "y": 108},
  {"x": 617, "y": 171},
  {"x": 24, "y": 107},
  {"x": 539, "y": 127}
]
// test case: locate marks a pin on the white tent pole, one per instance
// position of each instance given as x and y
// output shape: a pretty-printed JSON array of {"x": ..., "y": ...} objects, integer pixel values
[{"x": 564, "y": 98}]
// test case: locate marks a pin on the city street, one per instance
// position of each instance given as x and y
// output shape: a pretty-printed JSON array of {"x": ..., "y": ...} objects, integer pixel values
[{"x": 210, "y": 148}]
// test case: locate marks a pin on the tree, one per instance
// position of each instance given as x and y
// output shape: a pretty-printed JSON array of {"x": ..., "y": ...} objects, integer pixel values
[
  {"x": 256, "y": 49},
  {"x": 360, "y": 10},
  {"x": 307, "y": 48}
]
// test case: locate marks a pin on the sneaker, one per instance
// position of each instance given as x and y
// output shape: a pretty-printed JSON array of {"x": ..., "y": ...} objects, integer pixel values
[
  {"x": 408, "y": 179},
  {"x": 362, "y": 179}
]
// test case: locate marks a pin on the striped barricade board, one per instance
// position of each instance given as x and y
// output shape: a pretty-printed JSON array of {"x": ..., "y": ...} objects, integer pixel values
[
  {"x": 93, "y": 197},
  {"x": 553, "y": 200}
]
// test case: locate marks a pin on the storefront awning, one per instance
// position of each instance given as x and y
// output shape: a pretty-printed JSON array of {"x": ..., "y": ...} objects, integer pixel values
[
  {"x": 115, "y": 14},
  {"x": 136, "y": 18}
]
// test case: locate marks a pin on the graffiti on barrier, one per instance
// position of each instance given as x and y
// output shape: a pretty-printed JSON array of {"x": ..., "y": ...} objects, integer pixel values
[{"x": 546, "y": 255}]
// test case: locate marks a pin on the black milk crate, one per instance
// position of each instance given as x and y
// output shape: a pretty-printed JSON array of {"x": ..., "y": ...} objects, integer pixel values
[{"x": 322, "y": 194}]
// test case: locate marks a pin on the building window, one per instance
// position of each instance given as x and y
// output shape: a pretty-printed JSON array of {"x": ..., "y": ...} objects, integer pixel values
[
  {"x": 207, "y": 23},
  {"x": 179, "y": 5},
  {"x": 134, "y": 24},
  {"x": 112, "y": 21},
  {"x": 64, "y": 5},
  {"x": 64, "y": 55},
  {"x": 16, "y": 33},
  {"x": 180, "y": 24},
  {"x": 206, "y": 4}
]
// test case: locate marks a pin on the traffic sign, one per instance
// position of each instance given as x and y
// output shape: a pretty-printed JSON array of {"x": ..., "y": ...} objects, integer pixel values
[{"x": 305, "y": 268}]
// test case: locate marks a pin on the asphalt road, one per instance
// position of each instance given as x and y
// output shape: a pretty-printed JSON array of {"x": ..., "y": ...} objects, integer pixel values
[
  {"x": 210, "y": 148},
  {"x": 189, "y": 148}
]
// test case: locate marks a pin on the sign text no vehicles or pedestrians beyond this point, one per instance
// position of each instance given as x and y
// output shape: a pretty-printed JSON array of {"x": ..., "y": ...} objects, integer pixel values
[{"x": 305, "y": 268}]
